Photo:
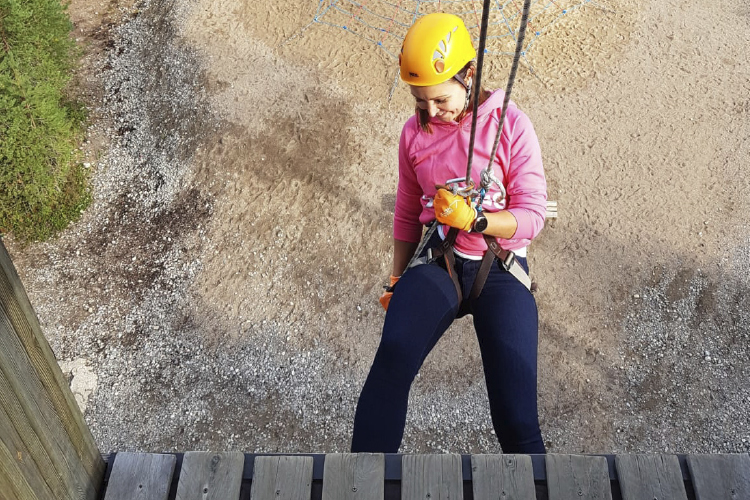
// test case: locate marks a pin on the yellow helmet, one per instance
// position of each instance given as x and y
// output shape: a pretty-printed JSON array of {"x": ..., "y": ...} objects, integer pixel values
[{"x": 435, "y": 49}]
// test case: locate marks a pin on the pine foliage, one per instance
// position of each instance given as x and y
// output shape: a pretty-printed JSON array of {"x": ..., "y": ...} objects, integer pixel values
[{"x": 43, "y": 186}]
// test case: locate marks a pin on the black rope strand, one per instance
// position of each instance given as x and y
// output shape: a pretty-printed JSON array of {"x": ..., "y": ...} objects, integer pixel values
[
  {"x": 508, "y": 89},
  {"x": 478, "y": 85}
]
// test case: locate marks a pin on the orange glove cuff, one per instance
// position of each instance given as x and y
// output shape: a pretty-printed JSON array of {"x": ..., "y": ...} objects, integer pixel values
[{"x": 385, "y": 299}]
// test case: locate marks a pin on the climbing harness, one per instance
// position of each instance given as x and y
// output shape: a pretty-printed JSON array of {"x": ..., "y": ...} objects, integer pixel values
[{"x": 506, "y": 258}]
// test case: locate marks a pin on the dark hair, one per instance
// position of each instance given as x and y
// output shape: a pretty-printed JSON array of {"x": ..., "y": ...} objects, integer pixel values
[{"x": 423, "y": 117}]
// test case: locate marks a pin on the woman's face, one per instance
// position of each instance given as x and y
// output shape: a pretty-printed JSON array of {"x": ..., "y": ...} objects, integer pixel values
[{"x": 445, "y": 100}]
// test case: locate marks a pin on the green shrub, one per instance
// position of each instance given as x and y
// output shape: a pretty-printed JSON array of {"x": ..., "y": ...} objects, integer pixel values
[{"x": 43, "y": 186}]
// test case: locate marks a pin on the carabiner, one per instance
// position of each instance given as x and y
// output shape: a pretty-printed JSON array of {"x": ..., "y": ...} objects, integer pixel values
[{"x": 465, "y": 191}]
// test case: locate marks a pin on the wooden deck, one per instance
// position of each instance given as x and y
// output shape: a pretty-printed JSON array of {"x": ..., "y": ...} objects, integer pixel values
[{"x": 234, "y": 475}]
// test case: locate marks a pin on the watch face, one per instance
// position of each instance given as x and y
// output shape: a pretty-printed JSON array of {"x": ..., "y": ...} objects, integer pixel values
[{"x": 480, "y": 224}]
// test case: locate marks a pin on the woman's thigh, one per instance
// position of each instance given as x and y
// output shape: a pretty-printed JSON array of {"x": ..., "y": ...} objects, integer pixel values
[
  {"x": 506, "y": 323},
  {"x": 423, "y": 306}
]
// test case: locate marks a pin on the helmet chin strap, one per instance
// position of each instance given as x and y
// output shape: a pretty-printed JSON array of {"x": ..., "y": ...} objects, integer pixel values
[
  {"x": 468, "y": 95},
  {"x": 467, "y": 86}
]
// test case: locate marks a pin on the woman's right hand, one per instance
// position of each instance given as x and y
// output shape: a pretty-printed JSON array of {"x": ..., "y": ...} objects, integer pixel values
[{"x": 453, "y": 210}]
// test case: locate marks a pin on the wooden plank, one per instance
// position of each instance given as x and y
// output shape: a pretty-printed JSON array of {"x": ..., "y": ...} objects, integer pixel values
[
  {"x": 13, "y": 481},
  {"x": 24, "y": 478},
  {"x": 41, "y": 410},
  {"x": 140, "y": 476},
  {"x": 25, "y": 429},
  {"x": 436, "y": 477},
  {"x": 720, "y": 476},
  {"x": 210, "y": 476},
  {"x": 351, "y": 476},
  {"x": 551, "y": 210},
  {"x": 577, "y": 477},
  {"x": 282, "y": 478},
  {"x": 656, "y": 477},
  {"x": 510, "y": 477}
]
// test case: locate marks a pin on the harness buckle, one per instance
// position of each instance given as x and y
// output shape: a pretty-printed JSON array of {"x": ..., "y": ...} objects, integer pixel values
[
  {"x": 508, "y": 261},
  {"x": 426, "y": 259}
]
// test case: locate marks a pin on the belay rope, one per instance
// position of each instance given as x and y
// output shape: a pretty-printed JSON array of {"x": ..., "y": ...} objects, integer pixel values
[
  {"x": 509, "y": 87},
  {"x": 507, "y": 259}
]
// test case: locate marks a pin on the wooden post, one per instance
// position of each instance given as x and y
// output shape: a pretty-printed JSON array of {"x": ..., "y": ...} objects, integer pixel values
[{"x": 46, "y": 449}]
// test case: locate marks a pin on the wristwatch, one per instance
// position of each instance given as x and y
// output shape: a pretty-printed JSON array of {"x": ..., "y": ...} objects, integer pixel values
[{"x": 480, "y": 223}]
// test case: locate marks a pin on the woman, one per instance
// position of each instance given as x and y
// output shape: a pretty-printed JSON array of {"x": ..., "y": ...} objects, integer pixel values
[{"x": 437, "y": 61}]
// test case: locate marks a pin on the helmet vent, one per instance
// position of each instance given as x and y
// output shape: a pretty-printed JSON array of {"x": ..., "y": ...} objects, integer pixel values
[{"x": 441, "y": 52}]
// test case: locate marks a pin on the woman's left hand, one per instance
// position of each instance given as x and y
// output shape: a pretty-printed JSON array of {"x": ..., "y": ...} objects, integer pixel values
[
  {"x": 454, "y": 210},
  {"x": 385, "y": 299}
]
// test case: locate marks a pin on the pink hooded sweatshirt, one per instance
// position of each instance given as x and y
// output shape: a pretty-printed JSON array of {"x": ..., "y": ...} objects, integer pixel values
[{"x": 426, "y": 159}]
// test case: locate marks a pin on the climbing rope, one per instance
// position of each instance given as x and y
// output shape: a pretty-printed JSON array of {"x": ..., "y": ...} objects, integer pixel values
[{"x": 487, "y": 175}]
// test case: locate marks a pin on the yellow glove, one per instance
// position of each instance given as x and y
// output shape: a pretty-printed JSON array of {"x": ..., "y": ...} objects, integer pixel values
[
  {"x": 385, "y": 299},
  {"x": 454, "y": 210}
]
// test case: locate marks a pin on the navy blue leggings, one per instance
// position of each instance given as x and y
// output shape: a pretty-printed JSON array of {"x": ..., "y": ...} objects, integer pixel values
[{"x": 423, "y": 306}]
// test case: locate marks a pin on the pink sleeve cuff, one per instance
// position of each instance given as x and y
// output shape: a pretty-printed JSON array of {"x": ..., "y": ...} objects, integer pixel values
[
  {"x": 530, "y": 223},
  {"x": 407, "y": 232}
]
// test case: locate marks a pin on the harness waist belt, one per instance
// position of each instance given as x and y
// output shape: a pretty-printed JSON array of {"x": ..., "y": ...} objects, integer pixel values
[{"x": 506, "y": 258}]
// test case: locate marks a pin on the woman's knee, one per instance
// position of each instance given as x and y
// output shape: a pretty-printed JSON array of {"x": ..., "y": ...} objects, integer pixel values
[{"x": 395, "y": 351}]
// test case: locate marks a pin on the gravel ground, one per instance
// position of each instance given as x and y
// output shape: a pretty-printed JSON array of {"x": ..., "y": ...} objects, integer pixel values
[
  {"x": 116, "y": 290},
  {"x": 687, "y": 360}
]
